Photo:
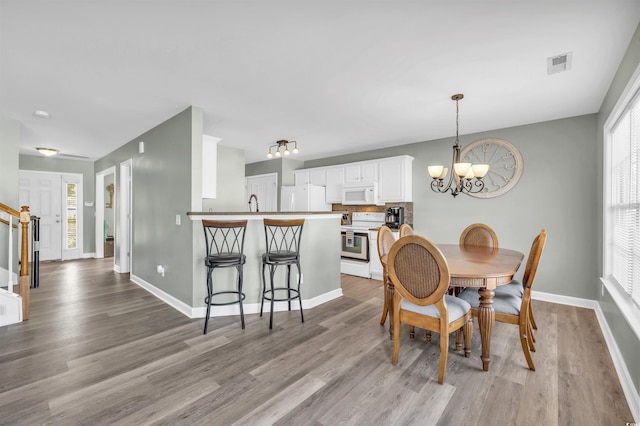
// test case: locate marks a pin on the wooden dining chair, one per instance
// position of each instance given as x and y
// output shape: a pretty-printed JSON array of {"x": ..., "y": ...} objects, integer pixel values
[
  {"x": 479, "y": 234},
  {"x": 420, "y": 276},
  {"x": 405, "y": 230},
  {"x": 511, "y": 308},
  {"x": 385, "y": 241}
]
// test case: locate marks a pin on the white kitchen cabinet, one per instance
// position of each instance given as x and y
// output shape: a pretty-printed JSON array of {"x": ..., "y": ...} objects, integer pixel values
[
  {"x": 334, "y": 179},
  {"x": 361, "y": 172},
  {"x": 375, "y": 267},
  {"x": 394, "y": 179},
  {"x": 315, "y": 176},
  {"x": 209, "y": 165},
  {"x": 301, "y": 177}
]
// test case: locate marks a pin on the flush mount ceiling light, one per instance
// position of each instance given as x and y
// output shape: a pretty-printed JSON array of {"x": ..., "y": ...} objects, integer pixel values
[
  {"x": 47, "y": 151},
  {"x": 41, "y": 114},
  {"x": 282, "y": 144},
  {"x": 465, "y": 177}
]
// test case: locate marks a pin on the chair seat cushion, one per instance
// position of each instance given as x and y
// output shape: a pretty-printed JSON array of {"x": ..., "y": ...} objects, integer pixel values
[
  {"x": 503, "y": 303},
  {"x": 225, "y": 260},
  {"x": 457, "y": 308},
  {"x": 514, "y": 287},
  {"x": 280, "y": 257}
]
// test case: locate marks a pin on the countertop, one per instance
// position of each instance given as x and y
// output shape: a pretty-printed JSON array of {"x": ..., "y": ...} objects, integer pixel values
[{"x": 263, "y": 213}]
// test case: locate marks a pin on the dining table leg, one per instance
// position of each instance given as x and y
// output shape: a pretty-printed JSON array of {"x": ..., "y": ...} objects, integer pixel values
[{"x": 486, "y": 319}]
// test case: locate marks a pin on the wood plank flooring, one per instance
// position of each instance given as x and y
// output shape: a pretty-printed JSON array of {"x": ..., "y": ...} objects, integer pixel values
[{"x": 100, "y": 350}]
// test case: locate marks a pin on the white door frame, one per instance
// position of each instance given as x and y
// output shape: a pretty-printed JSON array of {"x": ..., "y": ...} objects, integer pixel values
[
  {"x": 99, "y": 206},
  {"x": 125, "y": 216},
  {"x": 77, "y": 178}
]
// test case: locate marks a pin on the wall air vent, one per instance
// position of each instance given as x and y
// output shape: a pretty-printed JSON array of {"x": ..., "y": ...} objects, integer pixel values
[{"x": 560, "y": 63}]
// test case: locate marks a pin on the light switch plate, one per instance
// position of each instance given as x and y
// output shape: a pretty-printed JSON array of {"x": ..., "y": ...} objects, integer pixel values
[{"x": 178, "y": 220}]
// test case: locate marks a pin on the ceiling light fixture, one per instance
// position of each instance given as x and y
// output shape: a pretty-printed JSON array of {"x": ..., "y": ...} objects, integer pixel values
[
  {"x": 47, "y": 151},
  {"x": 41, "y": 114},
  {"x": 285, "y": 144},
  {"x": 466, "y": 177}
]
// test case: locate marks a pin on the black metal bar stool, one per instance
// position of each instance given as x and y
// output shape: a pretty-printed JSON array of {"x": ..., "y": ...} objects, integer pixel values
[
  {"x": 283, "y": 249},
  {"x": 225, "y": 248}
]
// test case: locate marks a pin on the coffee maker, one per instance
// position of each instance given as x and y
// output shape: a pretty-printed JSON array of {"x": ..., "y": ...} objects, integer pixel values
[{"x": 394, "y": 217}]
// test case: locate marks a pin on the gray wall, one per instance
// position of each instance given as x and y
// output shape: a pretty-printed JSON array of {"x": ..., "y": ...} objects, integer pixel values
[
  {"x": 626, "y": 339},
  {"x": 162, "y": 189},
  {"x": 63, "y": 165},
  {"x": 552, "y": 152},
  {"x": 9, "y": 145}
]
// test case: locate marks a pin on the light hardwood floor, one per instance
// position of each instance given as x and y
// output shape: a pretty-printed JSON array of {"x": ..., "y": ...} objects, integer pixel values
[{"x": 100, "y": 350}]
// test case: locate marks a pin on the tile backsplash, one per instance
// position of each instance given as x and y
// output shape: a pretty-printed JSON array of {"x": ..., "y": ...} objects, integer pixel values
[{"x": 408, "y": 210}]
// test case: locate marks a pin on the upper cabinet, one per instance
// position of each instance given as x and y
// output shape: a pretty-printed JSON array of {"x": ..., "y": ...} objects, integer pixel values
[
  {"x": 394, "y": 183},
  {"x": 310, "y": 176},
  {"x": 335, "y": 180},
  {"x": 392, "y": 174},
  {"x": 209, "y": 165},
  {"x": 361, "y": 172}
]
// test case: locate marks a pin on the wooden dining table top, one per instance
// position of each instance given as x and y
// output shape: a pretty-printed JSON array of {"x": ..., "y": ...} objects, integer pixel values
[{"x": 480, "y": 262}]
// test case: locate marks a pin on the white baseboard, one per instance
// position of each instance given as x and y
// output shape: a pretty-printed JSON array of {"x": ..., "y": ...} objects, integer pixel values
[
  {"x": 176, "y": 304},
  {"x": 218, "y": 311},
  {"x": 88, "y": 255},
  {"x": 628, "y": 387}
]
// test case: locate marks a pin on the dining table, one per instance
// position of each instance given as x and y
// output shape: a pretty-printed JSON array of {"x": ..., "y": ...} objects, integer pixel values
[
  {"x": 484, "y": 268},
  {"x": 479, "y": 267}
]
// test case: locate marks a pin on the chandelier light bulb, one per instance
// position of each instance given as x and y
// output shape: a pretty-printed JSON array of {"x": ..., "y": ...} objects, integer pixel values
[
  {"x": 278, "y": 153},
  {"x": 269, "y": 154}
]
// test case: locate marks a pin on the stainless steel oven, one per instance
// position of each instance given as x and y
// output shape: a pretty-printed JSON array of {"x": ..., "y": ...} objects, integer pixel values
[{"x": 355, "y": 245}]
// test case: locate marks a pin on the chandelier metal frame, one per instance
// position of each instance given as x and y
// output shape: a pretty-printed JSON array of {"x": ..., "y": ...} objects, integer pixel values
[{"x": 464, "y": 177}]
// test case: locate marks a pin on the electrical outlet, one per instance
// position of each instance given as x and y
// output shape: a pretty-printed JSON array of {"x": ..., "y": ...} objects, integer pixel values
[
  {"x": 178, "y": 220},
  {"x": 601, "y": 290}
]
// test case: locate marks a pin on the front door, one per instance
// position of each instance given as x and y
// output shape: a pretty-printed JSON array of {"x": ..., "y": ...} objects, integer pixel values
[{"x": 42, "y": 193}]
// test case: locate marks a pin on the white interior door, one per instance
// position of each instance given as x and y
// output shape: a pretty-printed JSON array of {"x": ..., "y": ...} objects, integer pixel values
[
  {"x": 42, "y": 193},
  {"x": 265, "y": 187}
]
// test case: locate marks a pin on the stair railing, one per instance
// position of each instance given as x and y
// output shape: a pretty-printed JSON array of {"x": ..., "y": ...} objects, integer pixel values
[{"x": 24, "y": 217}]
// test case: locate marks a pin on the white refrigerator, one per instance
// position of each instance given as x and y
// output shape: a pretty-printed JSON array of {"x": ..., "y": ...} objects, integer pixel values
[{"x": 303, "y": 198}]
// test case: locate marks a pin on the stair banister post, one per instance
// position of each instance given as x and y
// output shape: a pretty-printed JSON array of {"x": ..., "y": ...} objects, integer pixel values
[{"x": 25, "y": 219}]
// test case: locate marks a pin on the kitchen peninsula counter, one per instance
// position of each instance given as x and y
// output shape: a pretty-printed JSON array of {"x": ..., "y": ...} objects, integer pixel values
[{"x": 319, "y": 258}]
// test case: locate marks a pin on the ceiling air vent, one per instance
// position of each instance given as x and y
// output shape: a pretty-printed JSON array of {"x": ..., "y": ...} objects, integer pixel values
[{"x": 560, "y": 63}]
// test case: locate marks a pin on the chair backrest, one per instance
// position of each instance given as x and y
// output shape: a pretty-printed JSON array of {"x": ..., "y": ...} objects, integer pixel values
[
  {"x": 406, "y": 230},
  {"x": 534, "y": 259},
  {"x": 283, "y": 236},
  {"x": 479, "y": 234},
  {"x": 418, "y": 270},
  {"x": 385, "y": 241},
  {"x": 224, "y": 237}
]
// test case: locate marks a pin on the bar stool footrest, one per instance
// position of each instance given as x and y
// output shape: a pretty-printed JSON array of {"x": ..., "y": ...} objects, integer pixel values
[
  {"x": 268, "y": 294},
  {"x": 241, "y": 298}
]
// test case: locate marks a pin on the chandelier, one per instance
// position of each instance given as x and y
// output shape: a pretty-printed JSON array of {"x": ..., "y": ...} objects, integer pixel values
[
  {"x": 466, "y": 177},
  {"x": 282, "y": 144}
]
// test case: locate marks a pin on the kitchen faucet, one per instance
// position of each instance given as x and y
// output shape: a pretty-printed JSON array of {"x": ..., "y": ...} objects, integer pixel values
[{"x": 251, "y": 197}]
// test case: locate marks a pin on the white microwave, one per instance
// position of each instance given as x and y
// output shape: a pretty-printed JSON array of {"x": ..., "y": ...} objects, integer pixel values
[{"x": 360, "y": 193}]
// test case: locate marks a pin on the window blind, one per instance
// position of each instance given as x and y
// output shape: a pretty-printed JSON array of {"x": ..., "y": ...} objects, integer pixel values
[{"x": 624, "y": 202}]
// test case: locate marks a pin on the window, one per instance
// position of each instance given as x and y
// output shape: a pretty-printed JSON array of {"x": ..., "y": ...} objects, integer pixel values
[
  {"x": 71, "y": 228},
  {"x": 622, "y": 201}
]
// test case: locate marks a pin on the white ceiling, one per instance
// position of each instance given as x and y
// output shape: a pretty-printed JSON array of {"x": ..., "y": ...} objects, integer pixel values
[{"x": 337, "y": 76}]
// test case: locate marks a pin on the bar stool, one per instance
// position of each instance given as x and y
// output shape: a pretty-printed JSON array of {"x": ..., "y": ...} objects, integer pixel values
[
  {"x": 283, "y": 249},
  {"x": 225, "y": 248}
]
